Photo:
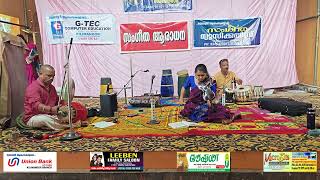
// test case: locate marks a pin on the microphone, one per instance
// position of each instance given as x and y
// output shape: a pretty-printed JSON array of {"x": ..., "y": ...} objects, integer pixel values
[
  {"x": 152, "y": 78},
  {"x": 147, "y": 70}
]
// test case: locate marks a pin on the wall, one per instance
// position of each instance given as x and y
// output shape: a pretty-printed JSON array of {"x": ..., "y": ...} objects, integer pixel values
[
  {"x": 16, "y": 8},
  {"x": 306, "y": 35}
]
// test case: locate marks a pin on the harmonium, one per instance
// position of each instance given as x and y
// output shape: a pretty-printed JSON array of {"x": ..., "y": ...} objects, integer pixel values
[{"x": 145, "y": 100}]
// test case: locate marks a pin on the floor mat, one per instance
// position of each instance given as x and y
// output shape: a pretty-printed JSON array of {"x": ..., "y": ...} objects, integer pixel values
[{"x": 134, "y": 123}]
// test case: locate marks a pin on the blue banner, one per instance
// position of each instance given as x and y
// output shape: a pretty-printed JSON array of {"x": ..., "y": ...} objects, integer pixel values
[
  {"x": 157, "y": 5},
  {"x": 227, "y": 33}
]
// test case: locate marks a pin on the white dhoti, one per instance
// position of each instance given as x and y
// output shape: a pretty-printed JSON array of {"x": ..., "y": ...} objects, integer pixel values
[{"x": 45, "y": 121}]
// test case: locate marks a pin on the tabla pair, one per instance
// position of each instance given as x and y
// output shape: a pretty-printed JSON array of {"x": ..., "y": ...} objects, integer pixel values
[{"x": 243, "y": 93}]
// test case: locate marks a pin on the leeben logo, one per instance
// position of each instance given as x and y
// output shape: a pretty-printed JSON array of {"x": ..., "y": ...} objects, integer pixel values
[
  {"x": 13, "y": 162},
  {"x": 57, "y": 29}
]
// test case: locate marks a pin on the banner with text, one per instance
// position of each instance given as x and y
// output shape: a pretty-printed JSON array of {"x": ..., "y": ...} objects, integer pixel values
[
  {"x": 203, "y": 161},
  {"x": 83, "y": 28},
  {"x": 30, "y": 162},
  {"x": 116, "y": 161},
  {"x": 227, "y": 33},
  {"x": 290, "y": 161},
  {"x": 157, "y": 5},
  {"x": 139, "y": 37}
]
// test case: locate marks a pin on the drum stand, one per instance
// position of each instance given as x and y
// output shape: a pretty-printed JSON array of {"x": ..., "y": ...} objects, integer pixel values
[{"x": 71, "y": 135}]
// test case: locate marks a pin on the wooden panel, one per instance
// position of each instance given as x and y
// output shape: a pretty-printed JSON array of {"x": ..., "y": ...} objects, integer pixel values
[
  {"x": 1, "y": 162},
  {"x": 12, "y": 8},
  {"x": 251, "y": 161},
  {"x": 305, "y": 50},
  {"x": 306, "y": 8},
  {"x": 318, "y": 63},
  {"x": 73, "y": 160},
  {"x": 160, "y": 160},
  {"x": 247, "y": 160}
]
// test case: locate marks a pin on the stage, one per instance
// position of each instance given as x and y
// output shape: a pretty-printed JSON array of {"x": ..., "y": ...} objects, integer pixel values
[
  {"x": 160, "y": 158},
  {"x": 165, "y": 138}
]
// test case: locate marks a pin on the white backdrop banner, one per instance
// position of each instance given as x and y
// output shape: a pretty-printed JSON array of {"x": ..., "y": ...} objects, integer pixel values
[
  {"x": 83, "y": 28},
  {"x": 271, "y": 64}
]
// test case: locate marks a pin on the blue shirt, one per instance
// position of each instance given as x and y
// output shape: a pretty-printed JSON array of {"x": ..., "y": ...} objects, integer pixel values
[{"x": 190, "y": 83}]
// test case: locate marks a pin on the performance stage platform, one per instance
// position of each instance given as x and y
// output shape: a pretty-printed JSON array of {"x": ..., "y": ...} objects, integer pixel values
[
  {"x": 256, "y": 131},
  {"x": 246, "y": 139}
]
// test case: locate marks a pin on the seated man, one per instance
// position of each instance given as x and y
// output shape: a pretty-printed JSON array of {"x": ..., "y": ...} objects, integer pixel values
[
  {"x": 225, "y": 77},
  {"x": 41, "y": 102}
]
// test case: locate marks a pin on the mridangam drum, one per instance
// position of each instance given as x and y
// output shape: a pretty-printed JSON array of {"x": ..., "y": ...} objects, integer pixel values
[
  {"x": 243, "y": 93},
  {"x": 80, "y": 110}
]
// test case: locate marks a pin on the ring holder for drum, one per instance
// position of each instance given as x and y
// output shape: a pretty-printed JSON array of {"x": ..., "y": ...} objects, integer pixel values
[{"x": 71, "y": 135}]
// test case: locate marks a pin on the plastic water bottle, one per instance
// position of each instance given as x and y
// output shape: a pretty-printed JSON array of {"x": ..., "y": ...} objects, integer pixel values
[
  {"x": 311, "y": 118},
  {"x": 223, "y": 99}
]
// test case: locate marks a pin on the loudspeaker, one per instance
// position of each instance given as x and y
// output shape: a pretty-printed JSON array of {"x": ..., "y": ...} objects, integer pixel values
[{"x": 108, "y": 103}]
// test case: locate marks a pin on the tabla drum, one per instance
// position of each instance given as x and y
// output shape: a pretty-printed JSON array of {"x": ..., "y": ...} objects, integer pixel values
[
  {"x": 182, "y": 77},
  {"x": 243, "y": 93},
  {"x": 167, "y": 89},
  {"x": 258, "y": 92},
  {"x": 230, "y": 95},
  {"x": 81, "y": 111}
]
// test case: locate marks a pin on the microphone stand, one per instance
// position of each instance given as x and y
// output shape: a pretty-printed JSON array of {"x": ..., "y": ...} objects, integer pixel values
[
  {"x": 125, "y": 86},
  {"x": 153, "y": 118},
  {"x": 71, "y": 135}
]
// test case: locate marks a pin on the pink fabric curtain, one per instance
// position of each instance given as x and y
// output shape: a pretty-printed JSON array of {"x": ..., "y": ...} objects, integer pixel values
[{"x": 272, "y": 64}]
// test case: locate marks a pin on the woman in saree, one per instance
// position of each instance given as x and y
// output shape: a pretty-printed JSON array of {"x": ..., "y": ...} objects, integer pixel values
[{"x": 202, "y": 105}]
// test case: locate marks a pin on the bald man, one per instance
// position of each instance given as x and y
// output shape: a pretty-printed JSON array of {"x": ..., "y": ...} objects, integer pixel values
[{"x": 41, "y": 102}]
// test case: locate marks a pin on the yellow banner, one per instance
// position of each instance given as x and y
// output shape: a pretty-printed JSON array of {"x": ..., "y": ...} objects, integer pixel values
[
  {"x": 290, "y": 162},
  {"x": 8, "y": 28}
]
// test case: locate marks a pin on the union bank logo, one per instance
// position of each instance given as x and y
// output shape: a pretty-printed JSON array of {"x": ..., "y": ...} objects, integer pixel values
[{"x": 13, "y": 162}]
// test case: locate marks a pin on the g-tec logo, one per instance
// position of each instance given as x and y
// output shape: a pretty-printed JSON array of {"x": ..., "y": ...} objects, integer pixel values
[
  {"x": 13, "y": 162},
  {"x": 57, "y": 29}
]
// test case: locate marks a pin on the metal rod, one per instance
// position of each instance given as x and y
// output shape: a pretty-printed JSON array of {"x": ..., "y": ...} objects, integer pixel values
[
  {"x": 25, "y": 8},
  {"x": 125, "y": 95},
  {"x": 14, "y": 24},
  {"x": 131, "y": 76},
  {"x": 307, "y": 18}
]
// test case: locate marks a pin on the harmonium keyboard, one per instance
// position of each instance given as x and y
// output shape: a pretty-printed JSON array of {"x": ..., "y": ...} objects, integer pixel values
[{"x": 145, "y": 100}]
